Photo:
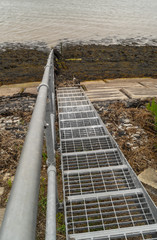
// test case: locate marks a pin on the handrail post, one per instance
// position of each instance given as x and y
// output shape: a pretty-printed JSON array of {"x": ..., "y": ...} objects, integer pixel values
[
  {"x": 51, "y": 204},
  {"x": 52, "y": 196}
]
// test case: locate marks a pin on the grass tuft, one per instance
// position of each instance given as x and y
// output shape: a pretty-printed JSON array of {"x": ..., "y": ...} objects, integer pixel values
[{"x": 152, "y": 107}]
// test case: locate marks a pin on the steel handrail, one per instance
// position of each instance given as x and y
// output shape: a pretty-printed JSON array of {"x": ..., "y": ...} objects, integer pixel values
[{"x": 19, "y": 222}]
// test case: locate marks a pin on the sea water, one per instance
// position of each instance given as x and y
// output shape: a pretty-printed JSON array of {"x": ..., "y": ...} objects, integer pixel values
[{"x": 53, "y": 21}]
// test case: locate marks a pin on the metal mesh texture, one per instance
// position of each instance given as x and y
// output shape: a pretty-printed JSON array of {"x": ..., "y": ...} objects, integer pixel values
[
  {"x": 75, "y": 109},
  {"x": 100, "y": 191},
  {"x": 88, "y": 144},
  {"x": 69, "y": 90},
  {"x": 79, "y": 123},
  {"x": 97, "y": 181},
  {"x": 73, "y": 103},
  {"x": 144, "y": 235},
  {"x": 73, "y": 94},
  {"x": 106, "y": 213},
  {"x": 82, "y": 132},
  {"x": 67, "y": 99},
  {"x": 77, "y": 115},
  {"x": 95, "y": 159}
]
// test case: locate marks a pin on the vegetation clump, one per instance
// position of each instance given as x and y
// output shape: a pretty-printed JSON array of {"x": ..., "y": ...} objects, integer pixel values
[{"x": 152, "y": 107}]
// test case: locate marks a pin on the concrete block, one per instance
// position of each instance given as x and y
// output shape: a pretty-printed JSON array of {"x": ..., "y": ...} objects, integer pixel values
[
  {"x": 106, "y": 94},
  {"x": 8, "y": 91},
  {"x": 140, "y": 93},
  {"x": 150, "y": 84},
  {"x": 31, "y": 90},
  {"x": 149, "y": 177}
]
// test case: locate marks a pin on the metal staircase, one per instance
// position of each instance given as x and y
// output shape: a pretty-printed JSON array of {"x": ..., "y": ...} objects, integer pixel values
[{"x": 103, "y": 198}]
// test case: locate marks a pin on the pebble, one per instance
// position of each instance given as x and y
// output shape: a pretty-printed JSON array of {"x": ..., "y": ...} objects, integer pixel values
[
  {"x": 127, "y": 125},
  {"x": 121, "y": 133},
  {"x": 134, "y": 148},
  {"x": 128, "y": 144},
  {"x": 136, "y": 136},
  {"x": 6, "y": 176},
  {"x": 131, "y": 127},
  {"x": 125, "y": 121}
]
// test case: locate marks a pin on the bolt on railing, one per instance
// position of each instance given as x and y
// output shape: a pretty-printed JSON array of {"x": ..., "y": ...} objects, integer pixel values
[{"x": 21, "y": 212}]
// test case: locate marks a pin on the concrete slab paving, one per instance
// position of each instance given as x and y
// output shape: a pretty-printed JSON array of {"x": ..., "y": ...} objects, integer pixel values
[
  {"x": 149, "y": 177},
  {"x": 107, "y": 90},
  {"x": 128, "y": 80},
  {"x": 150, "y": 84},
  {"x": 31, "y": 90},
  {"x": 123, "y": 84},
  {"x": 121, "y": 88},
  {"x": 89, "y": 85},
  {"x": 141, "y": 93},
  {"x": 9, "y": 91},
  {"x": 106, "y": 94}
]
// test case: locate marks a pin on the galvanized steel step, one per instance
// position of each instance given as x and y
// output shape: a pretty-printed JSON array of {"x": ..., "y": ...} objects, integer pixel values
[{"x": 103, "y": 198}]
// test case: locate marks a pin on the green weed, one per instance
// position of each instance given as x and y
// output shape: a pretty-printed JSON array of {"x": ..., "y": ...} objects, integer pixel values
[
  {"x": 44, "y": 155},
  {"x": 42, "y": 195},
  {"x": 22, "y": 122},
  {"x": 22, "y": 90},
  {"x": 152, "y": 107},
  {"x": 61, "y": 229},
  {"x": 60, "y": 223},
  {"x": 9, "y": 182},
  {"x": 60, "y": 218},
  {"x": 43, "y": 203}
]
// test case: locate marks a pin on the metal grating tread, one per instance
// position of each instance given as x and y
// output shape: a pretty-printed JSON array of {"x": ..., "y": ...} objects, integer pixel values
[
  {"x": 67, "y": 99},
  {"x": 77, "y": 115},
  {"x": 73, "y": 94},
  {"x": 91, "y": 160},
  {"x": 79, "y": 123},
  {"x": 88, "y": 144},
  {"x": 105, "y": 213},
  {"x": 103, "y": 197},
  {"x": 147, "y": 235},
  {"x": 97, "y": 181},
  {"x": 67, "y": 90},
  {"x": 132, "y": 233},
  {"x": 73, "y": 103},
  {"x": 82, "y": 132},
  {"x": 75, "y": 109}
]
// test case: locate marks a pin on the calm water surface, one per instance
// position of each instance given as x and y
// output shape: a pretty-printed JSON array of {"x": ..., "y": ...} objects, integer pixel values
[{"x": 55, "y": 20}]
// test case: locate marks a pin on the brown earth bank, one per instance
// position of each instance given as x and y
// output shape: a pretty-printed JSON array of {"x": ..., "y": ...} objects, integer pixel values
[
  {"x": 90, "y": 62},
  {"x": 21, "y": 65},
  {"x": 72, "y": 65}
]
